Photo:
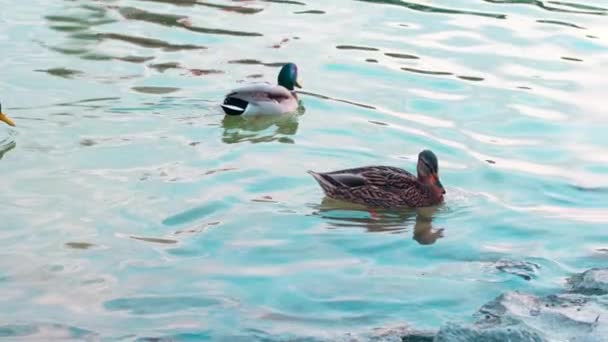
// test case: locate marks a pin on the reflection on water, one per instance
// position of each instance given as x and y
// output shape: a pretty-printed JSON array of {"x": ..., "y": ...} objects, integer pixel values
[
  {"x": 432, "y": 9},
  {"x": 259, "y": 129},
  {"x": 340, "y": 214},
  {"x": 5, "y": 148},
  {"x": 133, "y": 13},
  {"x": 556, "y": 6},
  {"x": 8, "y": 138}
]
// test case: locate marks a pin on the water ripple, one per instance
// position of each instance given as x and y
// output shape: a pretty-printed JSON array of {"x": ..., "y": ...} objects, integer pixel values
[
  {"x": 562, "y": 23},
  {"x": 157, "y": 305},
  {"x": 46, "y": 331},
  {"x": 431, "y": 9},
  {"x": 584, "y": 9},
  {"x": 228, "y": 8},
  {"x": 133, "y": 13},
  {"x": 149, "y": 42}
]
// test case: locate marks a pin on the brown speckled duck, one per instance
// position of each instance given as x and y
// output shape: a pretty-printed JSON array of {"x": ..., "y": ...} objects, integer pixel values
[{"x": 386, "y": 186}]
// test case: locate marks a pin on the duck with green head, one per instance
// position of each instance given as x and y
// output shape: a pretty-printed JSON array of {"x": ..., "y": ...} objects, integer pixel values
[
  {"x": 5, "y": 118},
  {"x": 386, "y": 186},
  {"x": 265, "y": 99}
]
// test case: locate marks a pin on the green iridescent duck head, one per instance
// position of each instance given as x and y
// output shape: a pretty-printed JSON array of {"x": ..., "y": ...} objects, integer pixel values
[{"x": 288, "y": 76}]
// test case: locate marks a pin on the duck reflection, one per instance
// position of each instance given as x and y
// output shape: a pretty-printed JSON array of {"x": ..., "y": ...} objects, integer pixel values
[
  {"x": 259, "y": 129},
  {"x": 6, "y": 148},
  {"x": 342, "y": 214}
]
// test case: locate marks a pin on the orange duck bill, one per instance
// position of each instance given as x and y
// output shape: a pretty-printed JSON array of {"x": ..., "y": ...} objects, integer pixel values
[{"x": 6, "y": 119}]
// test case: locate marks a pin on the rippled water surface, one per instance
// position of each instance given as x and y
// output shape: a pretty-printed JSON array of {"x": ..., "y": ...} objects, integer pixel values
[{"x": 132, "y": 208}]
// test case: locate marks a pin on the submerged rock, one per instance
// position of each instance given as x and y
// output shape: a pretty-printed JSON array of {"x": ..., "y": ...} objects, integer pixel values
[
  {"x": 458, "y": 333},
  {"x": 400, "y": 333},
  {"x": 590, "y": 282}
]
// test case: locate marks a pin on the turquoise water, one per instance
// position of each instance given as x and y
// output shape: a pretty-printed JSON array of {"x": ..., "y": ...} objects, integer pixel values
[{"x": 132, "y": 208}]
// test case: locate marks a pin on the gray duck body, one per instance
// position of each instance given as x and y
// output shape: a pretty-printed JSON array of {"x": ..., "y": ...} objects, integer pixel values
[{"x": 264, "y": 99}]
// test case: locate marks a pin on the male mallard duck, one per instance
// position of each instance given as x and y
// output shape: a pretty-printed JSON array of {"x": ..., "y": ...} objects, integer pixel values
[
  {"x": 264, "y": 98},
  {"x": 386, "y": 186},
  {"x": 5, "y": 118}
]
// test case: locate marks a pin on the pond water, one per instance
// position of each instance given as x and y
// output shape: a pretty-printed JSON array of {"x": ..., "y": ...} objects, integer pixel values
[{"x": 131, "y": 208}]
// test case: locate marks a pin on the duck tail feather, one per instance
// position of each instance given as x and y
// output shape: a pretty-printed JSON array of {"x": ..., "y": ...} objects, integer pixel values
[{"x": 326, "y": 182}]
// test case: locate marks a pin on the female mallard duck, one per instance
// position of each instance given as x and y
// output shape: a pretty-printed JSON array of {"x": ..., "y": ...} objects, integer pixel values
[
  {"x": 5, "y": 118},
  {"x": 264, "y": 98},
  {"x": 386, "y": 186}
]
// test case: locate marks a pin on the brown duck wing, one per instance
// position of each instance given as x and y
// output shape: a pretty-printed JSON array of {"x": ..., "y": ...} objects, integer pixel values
[
  {"x": 349, "y": 180},
  {"x": 386, "y": 187},
  {"x": 381, "y": 177}
]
